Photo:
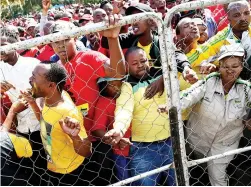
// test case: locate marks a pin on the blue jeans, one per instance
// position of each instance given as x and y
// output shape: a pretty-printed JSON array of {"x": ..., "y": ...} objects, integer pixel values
[
  {"x": 149, "y": 156},
  {"x": 121, "y": 165}
]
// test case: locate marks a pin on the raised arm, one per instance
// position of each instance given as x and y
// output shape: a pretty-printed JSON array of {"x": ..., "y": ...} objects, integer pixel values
[
  {"x": 46, "y": 5},
  {"x": 117, "y": 61}
]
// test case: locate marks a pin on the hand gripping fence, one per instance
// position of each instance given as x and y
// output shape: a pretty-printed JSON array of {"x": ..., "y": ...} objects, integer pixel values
[{"x": 27, "y": 44}]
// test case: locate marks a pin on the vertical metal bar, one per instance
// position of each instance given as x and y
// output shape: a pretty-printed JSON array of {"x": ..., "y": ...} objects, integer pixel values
[{"x": 174, "y": 111}]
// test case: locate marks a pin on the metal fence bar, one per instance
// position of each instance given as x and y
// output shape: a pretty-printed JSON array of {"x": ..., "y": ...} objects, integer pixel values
[
  {"x": 98, "y": 27},
  {"x": 27, "y": 44},
  {"x": 228, "y": 153},
  {"x": 177, "y": 128},
  {"x": 146, "y": 174}
]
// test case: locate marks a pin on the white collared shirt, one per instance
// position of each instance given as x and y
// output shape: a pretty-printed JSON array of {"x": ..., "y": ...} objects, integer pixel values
[{"x": 18, "y": 75}]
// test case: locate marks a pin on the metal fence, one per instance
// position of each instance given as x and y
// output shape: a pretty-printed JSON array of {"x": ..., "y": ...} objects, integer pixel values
[{"x": 167, "y": 51}]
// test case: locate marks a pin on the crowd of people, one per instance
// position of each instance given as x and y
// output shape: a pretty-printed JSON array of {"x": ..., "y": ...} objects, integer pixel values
[{"x": 92, "y": 110}]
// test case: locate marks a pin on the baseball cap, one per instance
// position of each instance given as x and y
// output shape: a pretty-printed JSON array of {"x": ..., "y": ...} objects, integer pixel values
[
  {"x": 31, "y": 23},
  {"x": 61, "y": 25},
  {"x": 139, "y": 6},
  {"x": 231, "y": 50},
  {"x": 108, "y": 79},
  {"x": 86, "y": 17}
]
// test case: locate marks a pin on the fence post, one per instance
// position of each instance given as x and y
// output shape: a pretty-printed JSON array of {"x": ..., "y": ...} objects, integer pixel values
[{"x": 176, "y": 123}]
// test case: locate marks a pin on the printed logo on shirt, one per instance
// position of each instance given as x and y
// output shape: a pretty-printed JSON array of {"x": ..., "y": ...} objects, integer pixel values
[
  {"x": 84, "y": 109},
  {"x": 46, "y": 138}
]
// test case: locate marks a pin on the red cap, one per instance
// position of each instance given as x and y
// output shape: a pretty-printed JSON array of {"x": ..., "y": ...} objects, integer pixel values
[
  {"x": 86, "y": 17},
  {"x": 65, "y": 19}
]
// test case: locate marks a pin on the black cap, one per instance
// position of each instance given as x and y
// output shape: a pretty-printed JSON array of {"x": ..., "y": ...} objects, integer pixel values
[{"x": 139, "y": 6}]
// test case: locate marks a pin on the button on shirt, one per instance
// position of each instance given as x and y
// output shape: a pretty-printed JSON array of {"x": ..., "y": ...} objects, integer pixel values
[{"x": 18, "y": 75}]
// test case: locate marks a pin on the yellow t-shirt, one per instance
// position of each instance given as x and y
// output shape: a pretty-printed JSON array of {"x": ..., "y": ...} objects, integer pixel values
[
  {"x": 146, "y": 48},
  {"x": 148, "y": 125},
  {"x": 61, "y": 156},
  {"x": 21, "y": 145}
]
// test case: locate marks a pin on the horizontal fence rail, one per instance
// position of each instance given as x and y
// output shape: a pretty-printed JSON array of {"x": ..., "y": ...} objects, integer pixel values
[{"x": 27, "y": 44}]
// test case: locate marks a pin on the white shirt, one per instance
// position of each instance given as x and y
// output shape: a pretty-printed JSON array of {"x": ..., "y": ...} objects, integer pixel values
[
  {"x": 215, "y": 123},
  {"x": 18, "y": 75}
]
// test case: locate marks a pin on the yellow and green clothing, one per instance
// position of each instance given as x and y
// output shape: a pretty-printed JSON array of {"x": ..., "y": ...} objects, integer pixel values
[
  {"x": 60, "y": 152},
  {"x": 148, "y": 125},
  {"x": 209, "y": 51}
]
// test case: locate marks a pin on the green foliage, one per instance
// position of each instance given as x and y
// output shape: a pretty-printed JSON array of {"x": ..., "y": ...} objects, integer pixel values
[{"x": 30, "y": 6}]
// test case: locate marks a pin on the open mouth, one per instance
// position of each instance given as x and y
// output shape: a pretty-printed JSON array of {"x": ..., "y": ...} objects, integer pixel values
[
  {"x": 62, "y": 53},
  {"x": 135, "y": 29}
]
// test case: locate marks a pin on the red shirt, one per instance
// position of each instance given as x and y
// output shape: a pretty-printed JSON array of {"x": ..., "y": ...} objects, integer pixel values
[
  {"x": 45, "y": 53},
  {"x": 220, "y": 16},
  {"x": 84, "y": 70},
  {"x": 104, "y": 119},
  {"x": 33, "y": 52}
]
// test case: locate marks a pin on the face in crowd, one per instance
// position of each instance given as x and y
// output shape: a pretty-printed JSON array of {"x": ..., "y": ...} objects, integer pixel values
[
  {"x": 188, "y": 30},
  {"x": 230, "y": 68},
  {"x": 31, "y": 31},
  {"x": 202, "y": 29},
  {"x": 46, "y": 79},
  {"x": 111, "y": 88},
  {"x": 138, "y": 63},
  {"x": 239, "y": 15},
  {"x": 65, "y": 49},
  {"x": 9, "y": 35},
  {"x": 108, "y": 8},
  {"x": 99, "y": 15},
  {"x": 140, "y": 27}
]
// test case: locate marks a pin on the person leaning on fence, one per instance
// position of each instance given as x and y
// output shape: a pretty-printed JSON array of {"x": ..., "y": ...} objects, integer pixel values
[
  {"x": 103, "y": 119},
  {"x": 238, "y": 31},
  {"x": 63, "y": 135},
  {"x": 216, "y": 123},
  {"x": 84, "y": 68},
  {"x": 152, "y": 147}
]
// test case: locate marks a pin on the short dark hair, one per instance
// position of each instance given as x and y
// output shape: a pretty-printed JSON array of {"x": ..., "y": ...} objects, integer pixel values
[
  {"x": 132, "y": 49},
  {"x": 57, "y": 74},
  {"x": 177, "y": 30},
  {"x": 103, "y": 3}
]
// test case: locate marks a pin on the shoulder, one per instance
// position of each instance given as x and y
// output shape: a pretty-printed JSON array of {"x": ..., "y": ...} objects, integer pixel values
[
  {"x": 26, "y": 60},
  {"x": 240, "y": 81},
  {"x": 93, "y": 56},
  {"x": 222, "y": 35}
]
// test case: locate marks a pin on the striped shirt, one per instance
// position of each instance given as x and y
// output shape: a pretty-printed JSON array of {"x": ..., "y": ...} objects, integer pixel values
[{"x": 209, "y": 51}]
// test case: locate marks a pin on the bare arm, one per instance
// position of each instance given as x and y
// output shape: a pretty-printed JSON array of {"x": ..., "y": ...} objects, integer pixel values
[
  {"x": 117, "y": 62},
  {"x": 72, "y": 128}
]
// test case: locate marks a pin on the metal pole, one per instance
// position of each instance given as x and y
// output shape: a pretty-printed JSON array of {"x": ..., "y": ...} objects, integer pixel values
[
  {"x": 27, "y": 44},
  {"x": 146, "y": 174},
  {"x": 174, "y": 111}
]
